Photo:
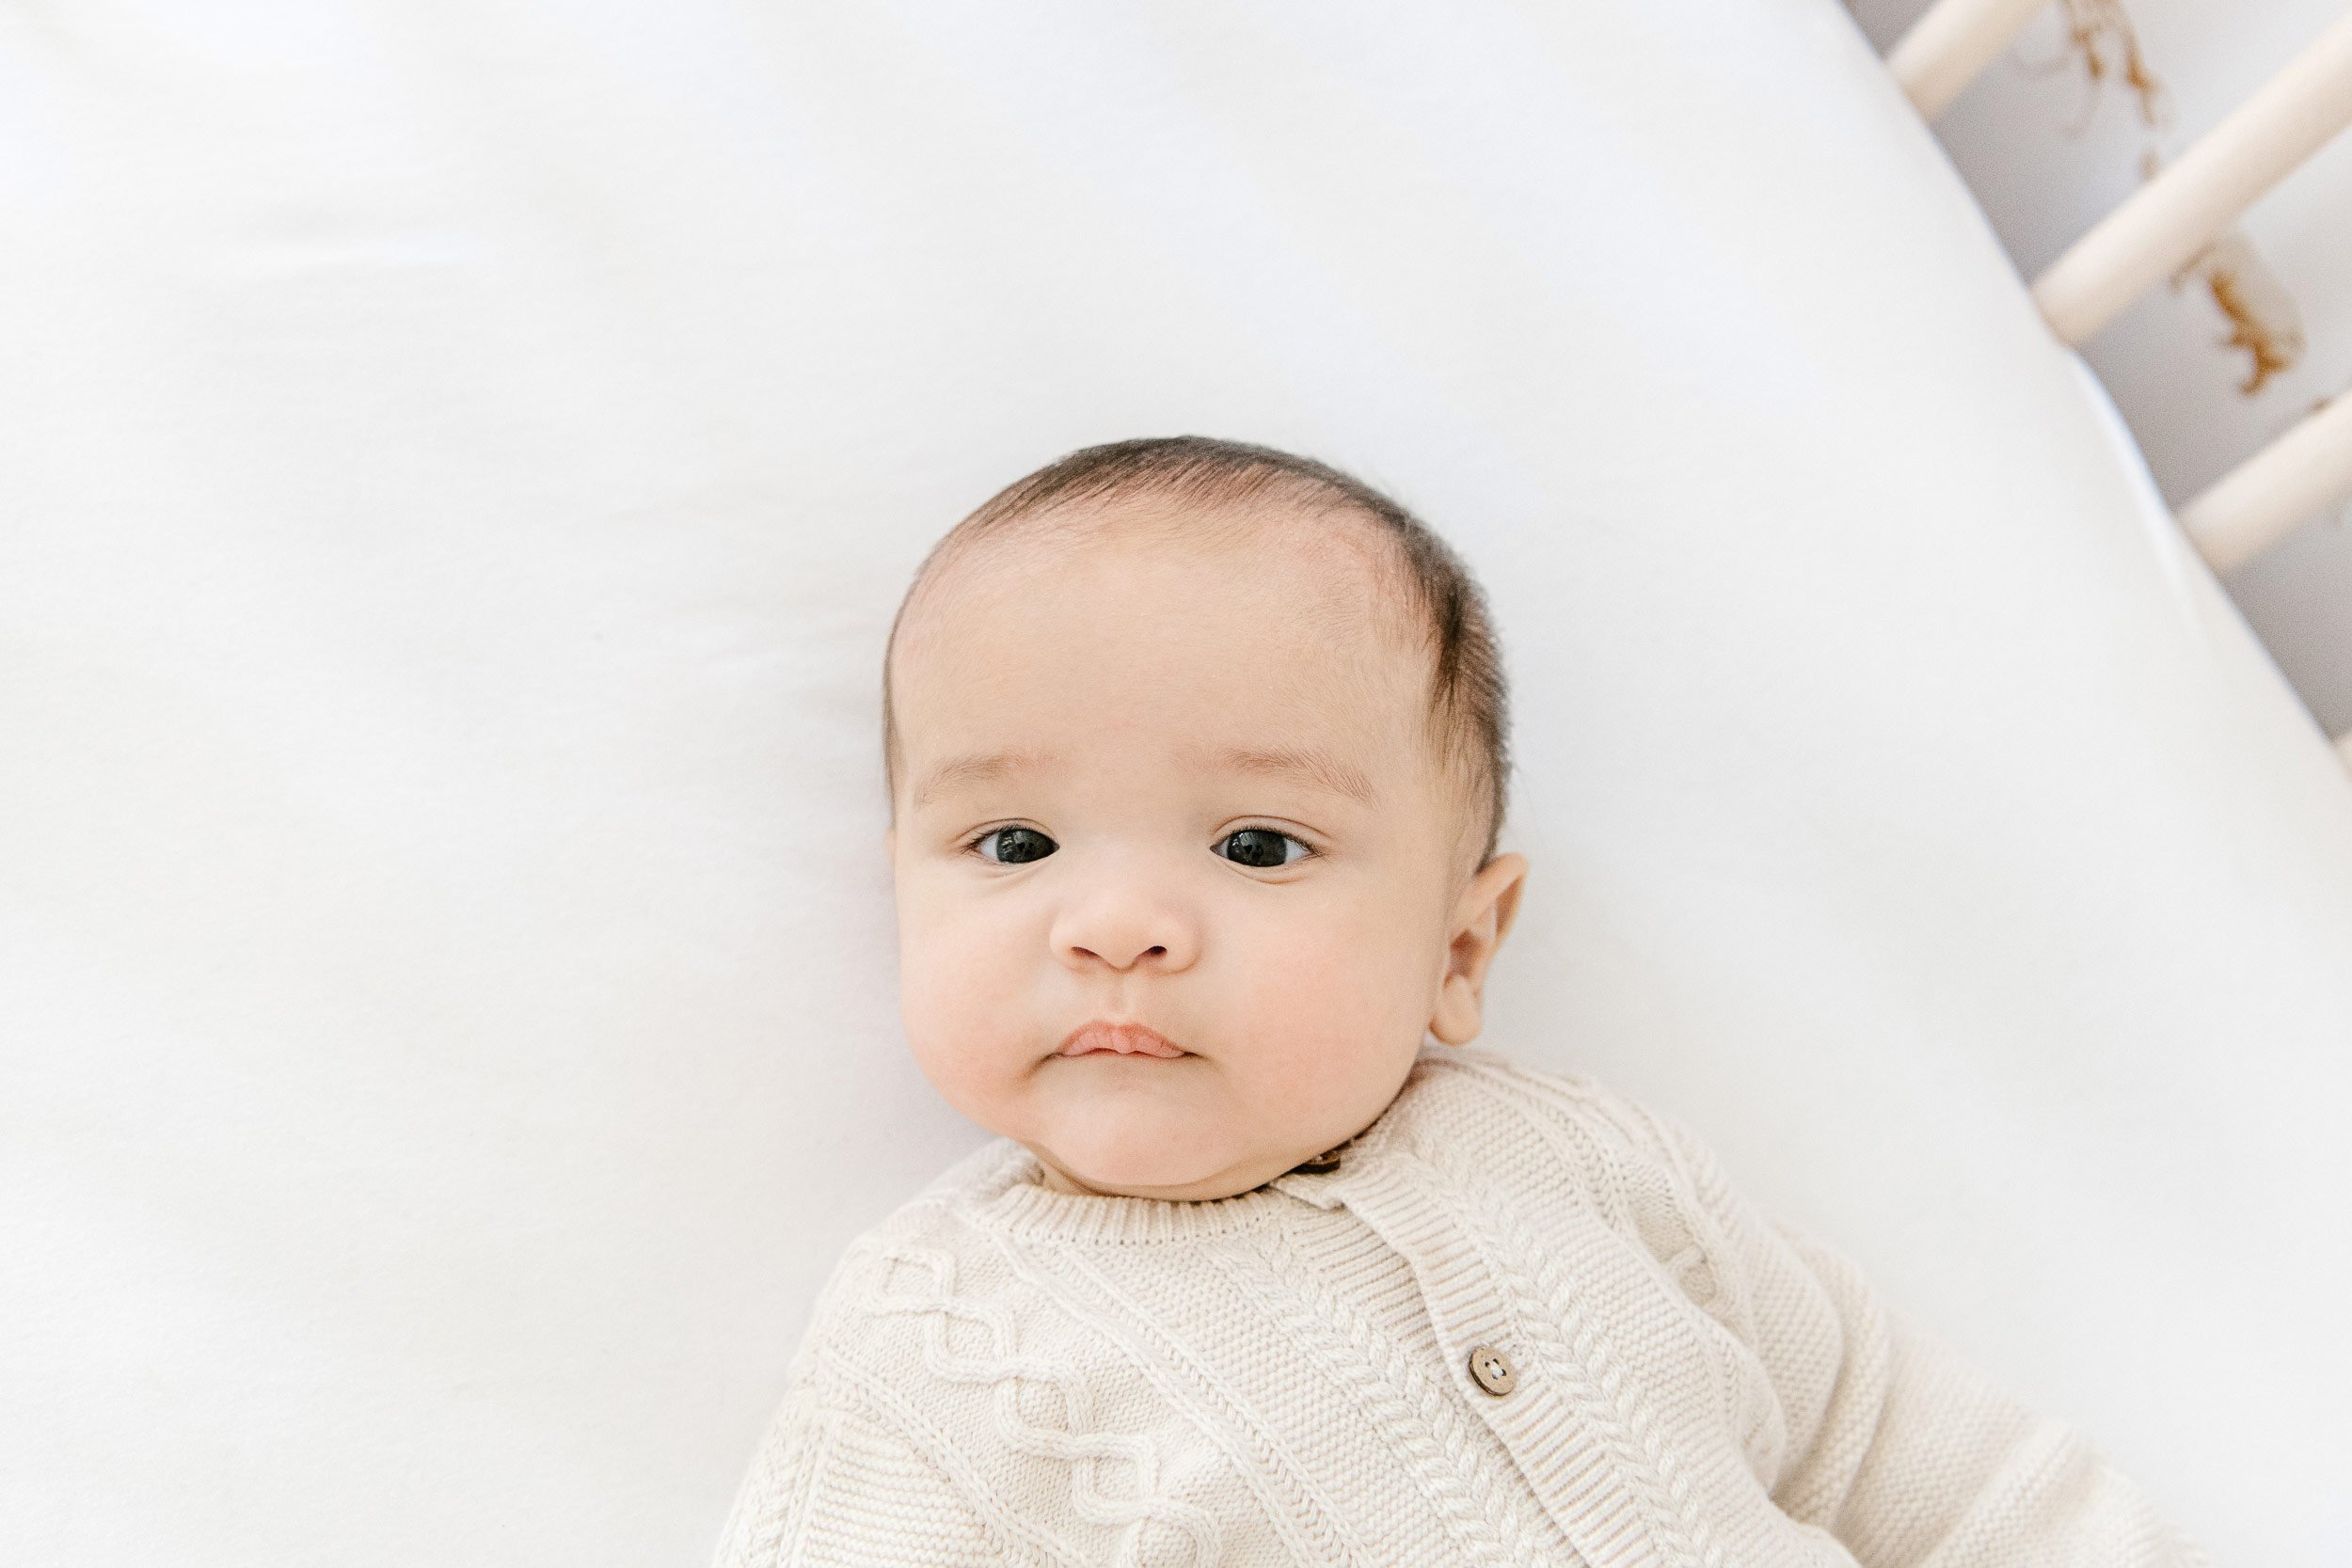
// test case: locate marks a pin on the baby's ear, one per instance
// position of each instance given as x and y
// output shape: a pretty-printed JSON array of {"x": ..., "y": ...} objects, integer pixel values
[{"x": 1482, "y": 918}]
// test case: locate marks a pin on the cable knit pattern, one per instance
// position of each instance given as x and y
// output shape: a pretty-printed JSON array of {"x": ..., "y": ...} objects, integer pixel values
[
  {"x": 997, "y": 1364},
  {"x": 1002, "y": 1373}
]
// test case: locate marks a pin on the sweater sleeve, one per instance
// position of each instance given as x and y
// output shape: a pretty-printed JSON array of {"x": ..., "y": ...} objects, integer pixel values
[
  {"x": 1892, "y": 1443},
  {"x": 831, "y": 1486}
]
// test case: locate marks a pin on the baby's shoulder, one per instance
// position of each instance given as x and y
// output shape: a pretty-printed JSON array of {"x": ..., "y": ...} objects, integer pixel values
[
  {"x": 915, "y": 1254},
  {"x": 1467, "y": 1097},
  {"x": 991, "y": 1332},
  {"x": 1572, "y": 1157}
]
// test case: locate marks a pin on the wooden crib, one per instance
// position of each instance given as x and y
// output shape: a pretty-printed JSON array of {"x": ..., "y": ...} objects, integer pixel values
[{"x": 2161, "y": 229}]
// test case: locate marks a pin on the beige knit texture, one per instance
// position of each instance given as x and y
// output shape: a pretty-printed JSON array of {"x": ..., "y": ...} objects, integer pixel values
[{"x": 1001, "y": 1373}]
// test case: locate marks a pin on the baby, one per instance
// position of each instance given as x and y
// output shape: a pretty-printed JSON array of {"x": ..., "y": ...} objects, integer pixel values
[{"x": 1196, "y": 757}]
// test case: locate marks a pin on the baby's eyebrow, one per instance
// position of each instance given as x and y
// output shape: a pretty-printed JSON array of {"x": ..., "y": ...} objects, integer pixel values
[
  {"x": 977, "y": 769},
  {"x": 1311, "y": 764}
]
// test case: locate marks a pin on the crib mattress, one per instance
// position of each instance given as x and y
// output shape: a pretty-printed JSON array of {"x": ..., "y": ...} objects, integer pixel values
[{"x": 463, "y": 465}]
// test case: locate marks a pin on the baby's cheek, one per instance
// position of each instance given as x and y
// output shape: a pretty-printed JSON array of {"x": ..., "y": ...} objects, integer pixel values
[
  {"x": 960, "y": 999},
  {"x": 1319, "y": 1015}
]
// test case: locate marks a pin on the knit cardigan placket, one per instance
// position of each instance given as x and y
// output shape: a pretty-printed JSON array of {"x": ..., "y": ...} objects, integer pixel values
[
  {"x": 1575, "y": 1424},
  {"x": 1426, "y": 1425}
]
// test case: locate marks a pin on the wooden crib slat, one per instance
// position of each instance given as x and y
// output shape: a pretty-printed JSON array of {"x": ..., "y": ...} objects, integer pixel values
[
  {"x": 2262, "y": 501},
  {"x": 2174, "y": 216},
  {"x": 1950, "y": 47}
]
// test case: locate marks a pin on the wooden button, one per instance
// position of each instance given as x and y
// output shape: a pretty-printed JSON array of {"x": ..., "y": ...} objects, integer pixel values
[{"x": 1493, "y": 1371}]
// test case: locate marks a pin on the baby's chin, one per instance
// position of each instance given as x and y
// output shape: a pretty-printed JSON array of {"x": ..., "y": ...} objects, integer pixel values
[
  {"x": 1168, "y": 1182},
  {"x": 1149, "y": 1145},
  {"x": 1099, "y": 1160}
]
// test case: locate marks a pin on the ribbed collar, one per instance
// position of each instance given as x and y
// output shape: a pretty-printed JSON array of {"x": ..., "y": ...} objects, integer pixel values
[{"x": 1017, "y": 1200}]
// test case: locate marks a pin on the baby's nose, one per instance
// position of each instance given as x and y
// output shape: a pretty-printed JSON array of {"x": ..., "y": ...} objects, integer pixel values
[
  {"x": 1123, "y": 927},
  {"x": 1120, "y": 955}
]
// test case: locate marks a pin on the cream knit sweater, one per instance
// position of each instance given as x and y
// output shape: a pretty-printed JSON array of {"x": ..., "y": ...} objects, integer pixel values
[{"x": 1002, "y": 1374}]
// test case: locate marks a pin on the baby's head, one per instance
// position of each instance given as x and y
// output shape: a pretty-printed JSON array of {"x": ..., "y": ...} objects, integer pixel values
[{"x": 1202, "y": 745}]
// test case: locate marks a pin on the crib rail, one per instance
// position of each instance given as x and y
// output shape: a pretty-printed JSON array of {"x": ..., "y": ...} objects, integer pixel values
[
  {"x": 2161, "y": 229},
  {"x": 2184, "y": 208},
  {"x": 1949, "y": 46},
  {"x": 2262, "y": 501}
]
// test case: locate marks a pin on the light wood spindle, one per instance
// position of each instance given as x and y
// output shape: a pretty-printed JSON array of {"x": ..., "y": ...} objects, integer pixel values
[
  {"x": 1950, "y": 47},
  {"x": 2265, "y": 497},
  {"x": 2184, "y": 209}
]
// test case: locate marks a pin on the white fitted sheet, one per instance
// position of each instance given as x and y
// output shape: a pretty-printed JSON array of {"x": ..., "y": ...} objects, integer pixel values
[{"x": 461, "y": 466}]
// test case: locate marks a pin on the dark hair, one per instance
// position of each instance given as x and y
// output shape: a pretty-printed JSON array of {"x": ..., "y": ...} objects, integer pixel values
[{"x": 1469, "y": 725}]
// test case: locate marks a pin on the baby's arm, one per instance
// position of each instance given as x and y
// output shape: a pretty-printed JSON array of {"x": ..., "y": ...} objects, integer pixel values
[
  {"x": 831, "y": 1487},
  {"x": 1901, "y": 1450}
]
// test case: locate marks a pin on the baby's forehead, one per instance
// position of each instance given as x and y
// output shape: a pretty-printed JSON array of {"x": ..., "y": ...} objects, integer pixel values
[
  {"x": 1285, "y": 614},
  {"x": 1335, "y": 565}
]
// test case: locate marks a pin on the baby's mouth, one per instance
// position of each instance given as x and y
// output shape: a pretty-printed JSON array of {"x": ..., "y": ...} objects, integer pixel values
[{"x": 1103, "y": 1038}]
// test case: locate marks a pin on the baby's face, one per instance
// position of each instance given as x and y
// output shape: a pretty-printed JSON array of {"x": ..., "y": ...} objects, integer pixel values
[{"x": 1179, "y": 793}]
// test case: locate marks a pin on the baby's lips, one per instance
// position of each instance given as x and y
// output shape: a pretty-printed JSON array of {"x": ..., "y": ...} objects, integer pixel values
[{"x": 1126, "y": 1039}]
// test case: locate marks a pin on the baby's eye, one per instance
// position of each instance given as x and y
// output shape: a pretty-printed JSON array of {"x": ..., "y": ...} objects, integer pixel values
[
  {"x": 1014, "y": 846},
  {"x": 1262, "y": 847}
]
